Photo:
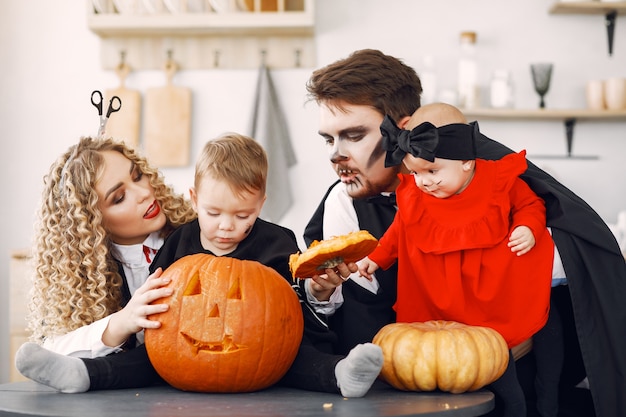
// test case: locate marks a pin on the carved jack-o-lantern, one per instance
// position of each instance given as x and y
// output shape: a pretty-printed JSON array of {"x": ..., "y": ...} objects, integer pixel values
[{"x": 232, "y": 326}]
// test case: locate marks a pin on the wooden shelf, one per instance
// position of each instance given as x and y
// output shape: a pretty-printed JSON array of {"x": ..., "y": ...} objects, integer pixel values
[
  {"x": 545, "y": 114},
  {"x": 610, "y": 10},
  {"x": 241, "y": 23},
  {"x": 281, "y": 38},
  {"x": 588, "y": 7},
  {"x": 569, "y": 117}
]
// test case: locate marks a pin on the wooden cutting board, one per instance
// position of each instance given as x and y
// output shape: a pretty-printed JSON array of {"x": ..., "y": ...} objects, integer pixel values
[
  {"x": 124, "y": 124},
  {"x": 167, "y": 128}
]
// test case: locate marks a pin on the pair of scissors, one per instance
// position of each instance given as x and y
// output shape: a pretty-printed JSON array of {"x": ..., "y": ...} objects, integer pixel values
[{"x": 115, "y": 104}]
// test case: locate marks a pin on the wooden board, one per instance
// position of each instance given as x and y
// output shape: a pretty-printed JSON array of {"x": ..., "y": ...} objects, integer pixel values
[
  {"x": 167, "y": 124},
  {"x": 124, "y": 124}
]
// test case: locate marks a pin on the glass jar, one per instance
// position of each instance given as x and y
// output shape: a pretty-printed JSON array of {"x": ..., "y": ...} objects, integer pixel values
[
  {"x": 468, "y": 72},
  {"x": 501, "y": 89}
]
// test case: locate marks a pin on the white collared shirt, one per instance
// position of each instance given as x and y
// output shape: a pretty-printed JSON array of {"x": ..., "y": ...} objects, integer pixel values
[{"x": 340, "y": 218}]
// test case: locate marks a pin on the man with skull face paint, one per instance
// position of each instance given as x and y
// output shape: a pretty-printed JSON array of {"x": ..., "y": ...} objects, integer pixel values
[{"x": 354, "y": 95}]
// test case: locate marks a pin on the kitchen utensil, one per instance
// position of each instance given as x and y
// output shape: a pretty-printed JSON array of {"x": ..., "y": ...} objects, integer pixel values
[
  {"x": 125, "y": 125},
  {"x": 167, "y": 129}
]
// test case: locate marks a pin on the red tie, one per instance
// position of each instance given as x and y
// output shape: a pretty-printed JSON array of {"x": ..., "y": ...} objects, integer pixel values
[{"x": 149, "y": 253}]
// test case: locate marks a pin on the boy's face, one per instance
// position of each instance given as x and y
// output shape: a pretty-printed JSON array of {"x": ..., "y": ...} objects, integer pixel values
[
  {"x": 355, "y": 151},
  {"x": 225, "y": 218},
  {"x": 442, "y": 178}
]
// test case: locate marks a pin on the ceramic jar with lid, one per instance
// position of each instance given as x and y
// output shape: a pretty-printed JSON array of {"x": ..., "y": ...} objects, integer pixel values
[{"x": 501, "y": 91}]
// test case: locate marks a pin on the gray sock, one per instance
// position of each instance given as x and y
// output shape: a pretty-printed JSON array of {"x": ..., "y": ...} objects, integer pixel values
[
  {"x": 357, "y": 372},
  {"x": 63, "y": 373}
]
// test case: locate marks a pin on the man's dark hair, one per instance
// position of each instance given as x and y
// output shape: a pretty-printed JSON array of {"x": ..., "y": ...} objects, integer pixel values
[{"x": 368, "y": 77}]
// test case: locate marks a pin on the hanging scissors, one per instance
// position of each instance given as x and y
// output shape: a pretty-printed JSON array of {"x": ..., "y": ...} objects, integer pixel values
[{"x": 115, "y": 104}]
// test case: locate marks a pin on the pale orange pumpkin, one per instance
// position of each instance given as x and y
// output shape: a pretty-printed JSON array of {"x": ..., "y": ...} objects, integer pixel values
[
  {"x": 443, "y": 355},
  {"x": 329, "y": 253},
  {"x": 232, "y": 326}
]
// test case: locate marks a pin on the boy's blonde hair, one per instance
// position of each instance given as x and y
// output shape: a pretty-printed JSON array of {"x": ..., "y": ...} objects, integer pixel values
[{"x": 238, "y": 160}]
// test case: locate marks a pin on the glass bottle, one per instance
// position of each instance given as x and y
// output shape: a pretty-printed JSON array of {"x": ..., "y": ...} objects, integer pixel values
[
  {"x": 428, "y": 76},
  {"x": 468, "y": 72}
]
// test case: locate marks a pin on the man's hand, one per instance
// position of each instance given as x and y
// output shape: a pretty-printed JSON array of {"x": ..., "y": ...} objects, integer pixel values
[{"x": 323, "y": 285}]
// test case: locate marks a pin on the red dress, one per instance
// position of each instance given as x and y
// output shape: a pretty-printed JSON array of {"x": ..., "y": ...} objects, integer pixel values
[{"x": 453, "y": 258}]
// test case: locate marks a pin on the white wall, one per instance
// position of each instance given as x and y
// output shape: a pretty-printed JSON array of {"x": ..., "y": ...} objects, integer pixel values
[{"x": 50, "y": 65}]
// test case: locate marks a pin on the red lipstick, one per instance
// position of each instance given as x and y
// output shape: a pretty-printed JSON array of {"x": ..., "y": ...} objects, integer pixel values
[{"x": 153, "y": 211}]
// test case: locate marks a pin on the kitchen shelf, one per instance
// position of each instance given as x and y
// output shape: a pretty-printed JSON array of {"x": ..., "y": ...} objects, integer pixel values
[
  {"x": 281, "y": 38},
  {"x": 568, "y": 116},
  {"x": 610, "y": 10},
  {"x": 545, "y": 114},
  {"x": 242, "y": 23},
  {"x": 588, "y": 7}
]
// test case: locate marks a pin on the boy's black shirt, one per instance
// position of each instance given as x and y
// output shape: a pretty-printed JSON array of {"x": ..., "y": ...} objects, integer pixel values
[{"x": 267, "y": 243}]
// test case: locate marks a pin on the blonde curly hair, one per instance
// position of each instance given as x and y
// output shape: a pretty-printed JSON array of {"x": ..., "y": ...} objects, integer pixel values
[{"x": 76, "y": 280}]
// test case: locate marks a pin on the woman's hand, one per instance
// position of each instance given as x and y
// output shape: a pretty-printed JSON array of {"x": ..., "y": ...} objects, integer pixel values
[
  {"x": 322, "y": 286},
  {"x": 134, "y": 316}
]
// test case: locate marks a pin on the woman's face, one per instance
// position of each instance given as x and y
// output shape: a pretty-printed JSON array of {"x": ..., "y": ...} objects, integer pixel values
[
  {"x": 225, "y": 218},
  {"x": 126, "y": 199},
  {"x": 355, "y": 150}
]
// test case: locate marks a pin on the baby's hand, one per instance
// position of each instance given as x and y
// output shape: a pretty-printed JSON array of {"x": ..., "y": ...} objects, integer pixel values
[
  {"x": 367, "y": 267},
  {"x": 521, "y": 240}
]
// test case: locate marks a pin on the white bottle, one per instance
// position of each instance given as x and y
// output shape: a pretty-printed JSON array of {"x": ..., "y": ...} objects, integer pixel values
[
  {"x": 501, "y": 89},
  {"x": 468, "y": 72},
  {"x": 428, "y": 77}
]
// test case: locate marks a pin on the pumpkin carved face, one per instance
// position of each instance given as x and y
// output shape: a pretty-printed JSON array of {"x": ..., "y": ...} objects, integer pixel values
[
  {"x": 232, "y": 326},
  {"x": 443, "y": 355}
]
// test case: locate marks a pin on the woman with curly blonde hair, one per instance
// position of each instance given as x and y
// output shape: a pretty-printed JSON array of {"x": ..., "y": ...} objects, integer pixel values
[{"x": 104, "y": 213}]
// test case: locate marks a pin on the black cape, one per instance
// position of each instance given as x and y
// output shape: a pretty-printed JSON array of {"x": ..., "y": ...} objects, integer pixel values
[{"x": 594, "y": 313}]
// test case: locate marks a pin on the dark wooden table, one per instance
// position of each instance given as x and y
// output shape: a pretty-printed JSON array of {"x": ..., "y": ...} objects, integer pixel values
[{"x": 32, "y": 399}]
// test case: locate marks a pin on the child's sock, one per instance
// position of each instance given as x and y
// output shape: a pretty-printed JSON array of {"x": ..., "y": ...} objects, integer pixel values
[
  {"x": 63, "y": 373},
  {"x": 357, "y": 372}
]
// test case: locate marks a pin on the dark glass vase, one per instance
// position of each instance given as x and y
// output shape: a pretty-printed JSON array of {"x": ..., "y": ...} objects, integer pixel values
[{"x": 541, "y": 80}]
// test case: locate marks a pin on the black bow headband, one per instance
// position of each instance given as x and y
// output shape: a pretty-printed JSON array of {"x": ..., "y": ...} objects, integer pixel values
[{"x": 453, "y": 141}]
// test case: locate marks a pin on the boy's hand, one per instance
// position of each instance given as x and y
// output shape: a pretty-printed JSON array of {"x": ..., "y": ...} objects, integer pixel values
[{"x": 521, "y": 240}]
